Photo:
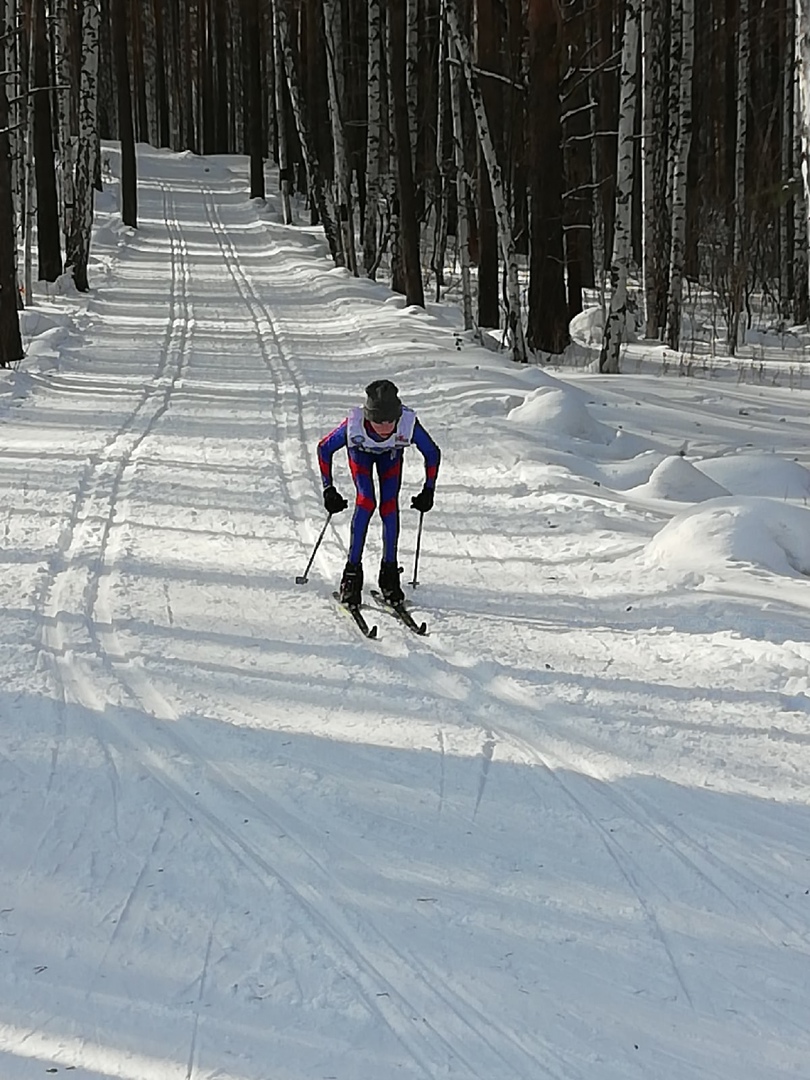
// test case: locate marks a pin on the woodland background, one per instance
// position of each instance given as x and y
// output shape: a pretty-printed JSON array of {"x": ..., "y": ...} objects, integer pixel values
[{"x": 525, "y": 154}]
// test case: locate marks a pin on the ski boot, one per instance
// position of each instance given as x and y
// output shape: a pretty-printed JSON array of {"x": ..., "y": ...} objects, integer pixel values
[
  {"x": 351, "y": 585},
  {"x": 389, "y": 583}
]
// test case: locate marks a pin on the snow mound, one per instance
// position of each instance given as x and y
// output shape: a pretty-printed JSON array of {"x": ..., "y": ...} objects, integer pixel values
[
  {"x": 758, "y": 474},
  {"x": 676, "y": 479},
  {"x": 559, "y": 412},
  {"x": 760, "y": 532}
]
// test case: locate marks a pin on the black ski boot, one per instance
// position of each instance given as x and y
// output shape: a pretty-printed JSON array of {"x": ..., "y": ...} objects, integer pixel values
[
  {"x": 389, "y": 583},
  {"x": 351, "y": 585}
]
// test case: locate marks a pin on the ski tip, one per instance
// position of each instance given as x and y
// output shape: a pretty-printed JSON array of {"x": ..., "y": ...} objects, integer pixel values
[
  {"x": 422, "y": 629},
  {"x": 372, "y": 632}
]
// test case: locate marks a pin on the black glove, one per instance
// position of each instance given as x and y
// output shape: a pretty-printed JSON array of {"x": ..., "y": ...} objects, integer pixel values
[
  {"x": 423, "y": 501},
  {"x": 333, "y": 500}
]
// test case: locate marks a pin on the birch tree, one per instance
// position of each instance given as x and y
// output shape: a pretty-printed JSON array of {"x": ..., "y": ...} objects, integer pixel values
[
  {"x": 373, "y": 136},
  {"x": 462, "y": 189},
  {"x": 78, "y": 243},
  {"x": 622, "y": 227},
  {"x": 10, "y": 342},
  {"x": 320, "y": 196},
  {"x": 66, "y": 83},
  {"x": 408, "y": 223},
  {"x": 739, "y": 266},
  {"x": 333, "y": 24},
  {"x": 680, "y": 158},
  {"x": 514, "y": 316},
  {"x": 803, "y": 58},
  {"x": 282, "y": 135},
  {"x": 655, "y": 210}
]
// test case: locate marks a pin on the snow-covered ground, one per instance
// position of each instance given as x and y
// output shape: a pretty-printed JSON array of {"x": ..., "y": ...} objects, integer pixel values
[{"x": 566, "y": 835}]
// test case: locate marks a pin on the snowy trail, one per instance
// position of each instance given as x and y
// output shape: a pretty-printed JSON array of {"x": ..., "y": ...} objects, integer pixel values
[{"x": 244, "y": 842}]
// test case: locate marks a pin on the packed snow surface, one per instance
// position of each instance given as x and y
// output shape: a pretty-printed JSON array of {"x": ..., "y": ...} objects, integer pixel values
[{"x": 566, "y": 835}]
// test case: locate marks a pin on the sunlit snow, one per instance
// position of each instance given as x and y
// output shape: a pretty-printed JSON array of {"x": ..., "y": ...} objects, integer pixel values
[{"x": 566, "y": 835}]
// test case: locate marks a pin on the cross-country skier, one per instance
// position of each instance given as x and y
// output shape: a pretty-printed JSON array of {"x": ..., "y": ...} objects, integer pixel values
[{"x": 375, "y": 436}]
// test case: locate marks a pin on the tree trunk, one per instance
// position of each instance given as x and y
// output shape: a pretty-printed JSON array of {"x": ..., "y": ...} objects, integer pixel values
[
  {"x": 129, "y": 167},
  {"x": 655, "y": 212},
  {"x": 373, "y": 137},
  {"x": 680, "y": 159},
  {"x": 408, "y": 223},
  {"x": 252, "y": 40},
  {"x": 547, "y": 329},
  {"x": 49, "y": 249},
  {"x": 462, "y": 190},
  {"x": 333, "y": 26},
  {"x": 489, "y": 309},
  {"x": 622, "y": 226},
  {"x": 284, "y": 169},
  {"x": 11, "y": 348},
  {"x": 317, "y": 187},
  {"x": 78, "y": 248},
  {"x": 514, "y": 318},
  {"x": 739, "y": 262}
]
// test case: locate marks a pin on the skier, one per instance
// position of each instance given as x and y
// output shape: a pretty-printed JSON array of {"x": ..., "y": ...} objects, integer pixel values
[{"x": 376, "y": 435}]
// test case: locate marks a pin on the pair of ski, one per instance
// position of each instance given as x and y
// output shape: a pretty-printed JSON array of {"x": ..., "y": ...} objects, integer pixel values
[{"x": 399, "y": 611}]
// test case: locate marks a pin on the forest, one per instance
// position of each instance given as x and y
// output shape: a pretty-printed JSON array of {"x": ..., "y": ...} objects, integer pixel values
[{"x": 527, "y": 154}]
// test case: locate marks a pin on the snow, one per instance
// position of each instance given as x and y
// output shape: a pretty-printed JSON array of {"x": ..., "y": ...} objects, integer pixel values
[{"x": 565, "y": 835}]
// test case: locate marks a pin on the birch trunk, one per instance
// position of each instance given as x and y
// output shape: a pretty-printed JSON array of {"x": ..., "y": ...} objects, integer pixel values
[
  {"x": 78, "y": 247},
  {"x": 66, "y": 111},
  {"x": 10, "y": 342},
  {"x": 408, "y": 222},
  {"x": 622, "y": 226},
  {"x": 373, "y": 137},
  {"x": 462, "y": 190},
  {"x": 333, "y": 26},
  {"x": 655, "y": 216},
  {"x": 317, "y": 187},
  {"x": 442, "y": 170},
  {"x": 412, "y": 71},
  {"x": 30, "y": 208},
  {"x": 739, "y": 266},
  {"x": 514, "y": 317},
  {"x": 284, "y": 172},
  {"x": 680, "y": 160},
  {"x": 13, "y": 84},
  {"x": 803, "y": 204}
]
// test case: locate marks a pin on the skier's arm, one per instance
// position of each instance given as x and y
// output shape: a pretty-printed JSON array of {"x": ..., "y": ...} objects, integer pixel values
[
  {"x": 430, "y": 452},
  {"x": 327, "y": 448}
]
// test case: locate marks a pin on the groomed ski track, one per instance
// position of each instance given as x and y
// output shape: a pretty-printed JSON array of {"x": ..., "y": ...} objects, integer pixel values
[{"x": 270, "y": 850}]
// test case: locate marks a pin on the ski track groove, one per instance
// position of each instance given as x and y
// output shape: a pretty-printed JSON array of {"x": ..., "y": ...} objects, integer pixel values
[
  {"x": 426, "y": 1046},
  {"x": 634, "y": 807}
]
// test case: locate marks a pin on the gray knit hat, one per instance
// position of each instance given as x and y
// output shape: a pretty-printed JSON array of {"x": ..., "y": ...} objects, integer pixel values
[{"x": 382, "y": 401}]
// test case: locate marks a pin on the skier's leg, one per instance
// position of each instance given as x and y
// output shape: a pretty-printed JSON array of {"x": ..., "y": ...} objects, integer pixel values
[
  {"x": 365, "y": 502},
  {"x": 390, "y": 473}
]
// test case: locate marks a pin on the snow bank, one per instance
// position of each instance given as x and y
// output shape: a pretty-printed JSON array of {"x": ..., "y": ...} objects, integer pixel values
[
  {"x": 761, "y": 532},
  {"x": 677, "y": 479},
  {"x": 758, "y": 474}
]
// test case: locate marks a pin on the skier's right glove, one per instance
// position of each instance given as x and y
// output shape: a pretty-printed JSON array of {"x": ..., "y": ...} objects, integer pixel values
[
  {"x": 333, "y": 501},
  {"x": 423, "y": 501}
]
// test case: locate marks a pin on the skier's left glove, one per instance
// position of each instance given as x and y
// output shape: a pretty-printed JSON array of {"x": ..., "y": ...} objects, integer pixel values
[
  {"x": 423, "y": 501},
  {"x": 333, "y": 501}
]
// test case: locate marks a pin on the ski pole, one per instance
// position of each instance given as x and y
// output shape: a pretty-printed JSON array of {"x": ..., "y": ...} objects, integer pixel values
[
  {"x": 302, "y": 579},
  {"x": 414, "y": 582}
]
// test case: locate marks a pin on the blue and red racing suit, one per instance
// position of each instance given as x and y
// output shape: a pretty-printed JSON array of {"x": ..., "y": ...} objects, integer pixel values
[{"x": 367, "y": 451}]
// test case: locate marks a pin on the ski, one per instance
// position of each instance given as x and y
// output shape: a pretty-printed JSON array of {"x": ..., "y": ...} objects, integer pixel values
[
  {"x": 357, "y": 615},
  {"x": 401, "y": 612}
]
